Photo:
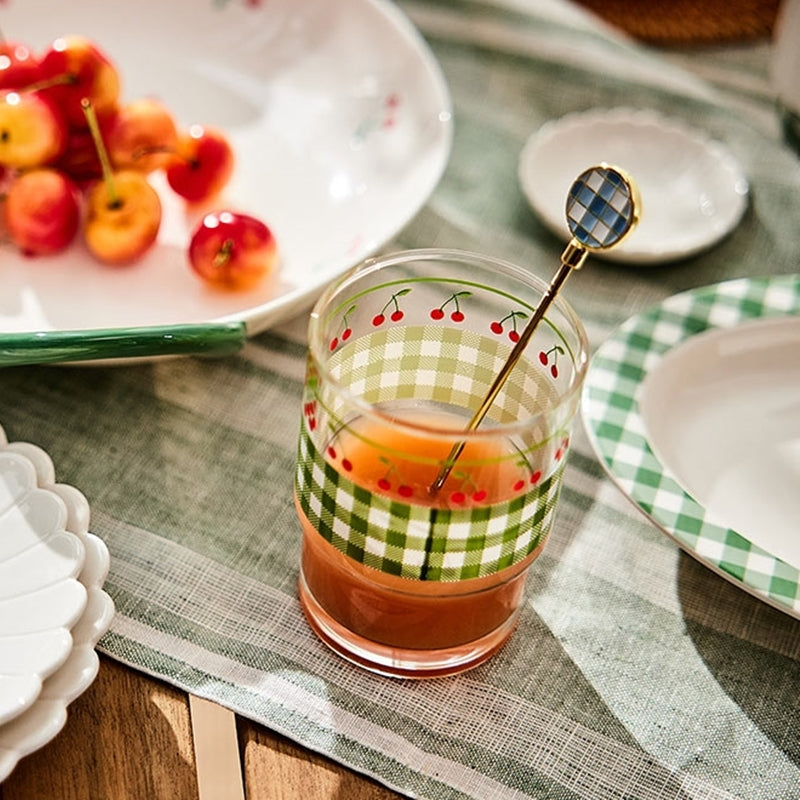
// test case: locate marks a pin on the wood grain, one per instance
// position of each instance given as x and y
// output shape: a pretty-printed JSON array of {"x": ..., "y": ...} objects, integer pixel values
[
  {"x": 129, "y": 737},
  {"x": 275, "y": 768}
]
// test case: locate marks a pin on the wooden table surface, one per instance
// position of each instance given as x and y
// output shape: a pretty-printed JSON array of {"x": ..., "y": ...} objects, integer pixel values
[{"x": 130, "y": 736}]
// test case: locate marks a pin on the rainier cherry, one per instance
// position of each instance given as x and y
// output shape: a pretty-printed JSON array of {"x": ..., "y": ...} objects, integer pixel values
[
  {"x": 142, "y": 135},
  {"x": 73, "y": 69},
  {"x": 122, "y": 222},
  {"x": 232, "y": 250},
  {"x": 32, "y": 130},
  {"x": 123, "y": 211},
  {"x": 42, "y": 211},
  {"x": 202, "y": 164},
  {"x": 19, "y": 67}
]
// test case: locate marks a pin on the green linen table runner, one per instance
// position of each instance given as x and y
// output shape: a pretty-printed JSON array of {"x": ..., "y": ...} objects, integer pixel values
[{"x": 635, "y": 672}]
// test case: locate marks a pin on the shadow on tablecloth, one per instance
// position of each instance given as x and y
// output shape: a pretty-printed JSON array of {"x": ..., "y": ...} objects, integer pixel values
[{"x": 752, "y": 649}]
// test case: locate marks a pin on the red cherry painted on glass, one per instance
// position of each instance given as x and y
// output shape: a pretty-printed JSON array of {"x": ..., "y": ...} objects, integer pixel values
[
  {"x": 347, "y": 465},
  {"x": 536, "y": 477},
  {"x": 479, "y": 495},
  {"x": 332, "y": 452},
  {"x": 396, "y": 316},
  {"x": 346, "y": 333},
  {"x": 457, "y": 316},
  {"x": 543, "y": 358},
  {"x": 334, "y": 343},
  {"x": 519, "y": 485},
  {"x": 384, "y": 484},
  {"x": 514, "y": 336},
  {"x": 496, "y": 327},
  {"x": 554, "y": 371},
  {"x": 405, "y": 491},
  {"x": 378, "y": 319},
  {"x": 437, "y": 314},
  {"x": 458, "y": 497}
]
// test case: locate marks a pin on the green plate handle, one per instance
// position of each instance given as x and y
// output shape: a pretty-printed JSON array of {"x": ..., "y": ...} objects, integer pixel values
[{"x": 51, "y": 347}]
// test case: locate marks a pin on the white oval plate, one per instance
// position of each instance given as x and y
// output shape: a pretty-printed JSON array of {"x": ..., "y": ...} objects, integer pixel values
[
  {"x": 693, "y": 407},
  {"x": 693, "y": 191},
  {"x": 55, "y": 664},
  {"x": 722, "y": 412},
  {"x": 340, "y": 119}
]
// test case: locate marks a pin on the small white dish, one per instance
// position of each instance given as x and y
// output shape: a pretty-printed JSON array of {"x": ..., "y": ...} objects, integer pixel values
[
  {"x": 693, "y": 408},
  {"x": 53, "y": 610},
  {"x": 693, "y": 190},
  {"x": 340, "y": 119}
]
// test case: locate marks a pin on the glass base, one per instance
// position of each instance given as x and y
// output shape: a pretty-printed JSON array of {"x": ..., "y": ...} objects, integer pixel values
[{"x": 396, "y": 662}]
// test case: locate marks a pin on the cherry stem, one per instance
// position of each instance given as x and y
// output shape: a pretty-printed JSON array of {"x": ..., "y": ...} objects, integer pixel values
[
  {"x": 141, "y": 152},
  {"x": 105, "y": 163},
  {"x": 67, "y": 79},
  {"x": 224, "y": 253}
]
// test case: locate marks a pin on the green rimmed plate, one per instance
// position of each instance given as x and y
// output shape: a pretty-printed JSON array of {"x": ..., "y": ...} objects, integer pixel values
[{"x": 644, "y": 390}]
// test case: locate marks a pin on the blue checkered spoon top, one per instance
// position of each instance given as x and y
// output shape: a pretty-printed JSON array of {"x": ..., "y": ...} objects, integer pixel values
[{"x": 602, "y": 209}]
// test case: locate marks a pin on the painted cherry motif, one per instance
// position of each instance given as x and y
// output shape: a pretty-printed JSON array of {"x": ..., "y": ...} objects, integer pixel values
[
  {"x": 533, "y": 477},
  {"x": 498, "y": 326},
  {"x": 562, "y": 449},
  {"x": 384, "y": 117},
  {"x": 385, "y": 482},
  {"x": 390, "y": 106},
  {"x": 457, "y": 315},
  {"x": 333, "y": 455},
  {"x": 347, "y": 331},
  {"x": 553, "y": 353},
  {"x": 397, "y": 313},
  {"x": 310, "y": 413},
  {"x": 467, "y": 489}
]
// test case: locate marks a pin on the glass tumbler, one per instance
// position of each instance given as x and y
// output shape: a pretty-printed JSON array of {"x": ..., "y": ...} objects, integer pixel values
[{"x": 397, "y": 575}]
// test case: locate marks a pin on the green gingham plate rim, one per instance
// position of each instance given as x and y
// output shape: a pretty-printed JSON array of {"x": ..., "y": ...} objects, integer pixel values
[{"x": 611, "y": 416}]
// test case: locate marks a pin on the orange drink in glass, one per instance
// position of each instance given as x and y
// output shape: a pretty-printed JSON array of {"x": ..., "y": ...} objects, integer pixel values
[{"x": 399, "y": 576}]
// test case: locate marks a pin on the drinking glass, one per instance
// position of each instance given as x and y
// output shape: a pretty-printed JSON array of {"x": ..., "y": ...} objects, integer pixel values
[{"x": 398, "y": 576}]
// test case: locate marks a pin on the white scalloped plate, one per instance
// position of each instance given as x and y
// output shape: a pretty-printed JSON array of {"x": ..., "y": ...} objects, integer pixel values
[
  {"x": 340, "y": 119},
  {"x": 41, "y": 597},
  {"x": 47, "y": 655},
  {"x": 693, "y": 191}
]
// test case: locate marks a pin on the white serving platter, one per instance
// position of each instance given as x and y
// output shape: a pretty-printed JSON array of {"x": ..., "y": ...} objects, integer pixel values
[{"x": 341, "y": 123}]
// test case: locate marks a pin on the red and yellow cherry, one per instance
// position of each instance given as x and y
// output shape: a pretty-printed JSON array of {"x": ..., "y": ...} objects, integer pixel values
[
  {"x": 74, "y": 68},
  {"x": 202, "y": 164},
  {"x": 32, "y": 130},
  {"x": 19, "y": 67},
  {"x": 232, "y": 250},
  {"x": 122, "y": 223},
  {"x": 42, "y": 211},
  {"x": 142, "y": 135},
  {"x": 123, "y": 211},
  {"x": 80, "y": 160}
]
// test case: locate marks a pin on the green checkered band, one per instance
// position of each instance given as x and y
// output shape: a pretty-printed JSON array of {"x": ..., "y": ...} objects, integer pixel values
[
  {"x": 419, "y": 542},
  {"x": 448, "y": 367},
  {"x": 617, "y": 430}
]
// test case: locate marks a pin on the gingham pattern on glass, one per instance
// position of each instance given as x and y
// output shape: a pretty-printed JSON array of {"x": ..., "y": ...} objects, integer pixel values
[
  {"x": 599, "y": 208},
  {"x": 615, "y": 426},
  {"x": 419, "y": 542},
  {"x": 447, "y": 365}
]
